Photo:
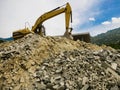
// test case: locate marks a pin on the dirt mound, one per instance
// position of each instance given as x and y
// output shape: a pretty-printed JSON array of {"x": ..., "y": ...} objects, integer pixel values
[{"x": 57, "y": 63}]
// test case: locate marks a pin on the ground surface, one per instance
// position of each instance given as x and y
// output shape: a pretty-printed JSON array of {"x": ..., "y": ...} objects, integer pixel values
[{"x": 57, "y": 63}]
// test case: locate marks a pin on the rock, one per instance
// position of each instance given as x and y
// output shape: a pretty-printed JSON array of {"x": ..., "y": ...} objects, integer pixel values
[
  {"x": 114, "y": 66},
  {"x": 85, "y": 87},
  {"x": 17, "y": 87},
  {"x": 56, "y": 87},
  {"x": 85, "y": 80},
  {"x": 97, "y": 57},
  {"x": 58, "y": 78},
  {"x": 115, "y": 88},
  {"x": 52, "y": 63},
  {"x": 34, "y": 75},
  {"x": 61, "y": 88},
  {"x": 57, "y": 60},
  {"x": 118, "y": 55},
  {"x": 118, "y": 70},
  {"x": 46, "y": 79},
  {"x": 62, "y": 83},
  {"x": 49, "y": 85},
  {"x": 52, "y": 80},
  {"x": 31, "y": 70},
  {"x": 32, "y": 63},
  {"x": 41, "y": 86},
  {"x": 22, "y": 79},
  {"x": 59, "y": 70}
]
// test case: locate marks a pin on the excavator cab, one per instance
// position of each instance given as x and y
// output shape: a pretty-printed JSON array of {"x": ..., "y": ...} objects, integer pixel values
[{"x": 40, "y": 30}]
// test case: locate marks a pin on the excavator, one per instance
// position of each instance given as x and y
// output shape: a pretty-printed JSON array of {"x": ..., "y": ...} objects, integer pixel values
[{"x": 38, "y": 28}]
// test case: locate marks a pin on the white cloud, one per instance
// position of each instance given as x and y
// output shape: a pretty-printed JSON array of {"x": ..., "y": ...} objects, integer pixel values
[
  {"x": 15, "y": 13},
  {"x": 99, "y": 29},
  {"x": 105, "y": 26},
  {"x": 91, "y": 19},
  {"x": 114, "y": 20},
  {"x": 106, "y": 23}
]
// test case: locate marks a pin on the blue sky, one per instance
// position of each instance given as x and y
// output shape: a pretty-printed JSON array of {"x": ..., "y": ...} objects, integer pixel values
[
  {"x": 107, "y": 10},
  {"x": 107, "y": 17},
  {"x": 93, "y": 16}
]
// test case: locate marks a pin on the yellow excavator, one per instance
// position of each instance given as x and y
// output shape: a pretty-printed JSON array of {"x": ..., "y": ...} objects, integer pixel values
[{"x": 38, "y": 28}]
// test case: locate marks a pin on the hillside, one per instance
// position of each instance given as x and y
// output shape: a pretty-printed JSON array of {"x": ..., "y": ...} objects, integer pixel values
[
  {"x": 1, "y": 40},
  {"x": 57, "y": 63},
  {"x": 111, "y": 38},
  {"x": 6, "y": 39}
]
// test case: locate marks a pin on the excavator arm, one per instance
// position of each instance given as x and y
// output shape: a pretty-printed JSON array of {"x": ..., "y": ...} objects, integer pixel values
[
  {"x": 67, "y": 10},
  {"x": 38, "y": 27}
]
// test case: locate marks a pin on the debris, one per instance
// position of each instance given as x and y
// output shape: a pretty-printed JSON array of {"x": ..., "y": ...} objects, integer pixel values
[
  {"x": 85, "y": 80},
  {"x": 85, "y": 87},
  {"x": 114, "y": 65},
  {"x": 22, "y": 79},
  {"x": 48, "y": 63}
]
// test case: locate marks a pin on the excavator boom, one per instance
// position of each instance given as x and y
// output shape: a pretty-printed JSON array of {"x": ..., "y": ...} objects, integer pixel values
[{"x": 53, "y": 13}]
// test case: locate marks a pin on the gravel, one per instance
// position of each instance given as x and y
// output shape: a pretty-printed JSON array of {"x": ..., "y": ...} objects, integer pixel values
[{"x": 56, "y": 63}]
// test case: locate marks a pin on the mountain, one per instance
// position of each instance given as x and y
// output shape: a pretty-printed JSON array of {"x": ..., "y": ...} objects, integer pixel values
[
  {"x": 111, "y": 38},
  {"x": 5, "y": 39},
  {"x": 1, "y": 40}
]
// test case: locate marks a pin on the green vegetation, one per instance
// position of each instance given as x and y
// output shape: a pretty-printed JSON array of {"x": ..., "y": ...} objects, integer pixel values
[
  {"x": 116, "y": 46},
  {"x": 1, "y": 41},
  {"x": 5, "y": 39},
  {"x": 110, "y": 38}
]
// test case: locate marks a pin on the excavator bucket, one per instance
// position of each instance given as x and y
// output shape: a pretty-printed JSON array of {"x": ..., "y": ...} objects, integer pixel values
[{"x": 82, "y": 37}]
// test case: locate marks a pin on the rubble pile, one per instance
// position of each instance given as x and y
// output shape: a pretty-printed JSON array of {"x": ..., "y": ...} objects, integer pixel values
[{"x": 56, "y": 63}]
